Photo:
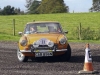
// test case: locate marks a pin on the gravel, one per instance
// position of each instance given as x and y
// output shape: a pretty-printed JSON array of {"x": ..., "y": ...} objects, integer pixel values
[{"x": 9, "y": 64}]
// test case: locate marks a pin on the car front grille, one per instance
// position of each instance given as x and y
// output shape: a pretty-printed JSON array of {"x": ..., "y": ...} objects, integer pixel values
[{"x": 44, "y": 47}]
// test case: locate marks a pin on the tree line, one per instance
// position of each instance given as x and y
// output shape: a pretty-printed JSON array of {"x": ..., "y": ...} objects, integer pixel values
[
  {"x": 9, "y": 10},
  {"x": 44, "y": 7},
  {"x": 54, "y": 6},
  {"x": 95, "y": 6},
  {"x": 37, "y": 7}
]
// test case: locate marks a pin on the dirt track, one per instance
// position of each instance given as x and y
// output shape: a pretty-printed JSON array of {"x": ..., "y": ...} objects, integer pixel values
[{"x": 9, "y": 65}]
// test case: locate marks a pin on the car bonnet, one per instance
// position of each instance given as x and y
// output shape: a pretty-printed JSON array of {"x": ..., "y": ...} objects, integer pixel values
[{"x": 35, "y": 37}]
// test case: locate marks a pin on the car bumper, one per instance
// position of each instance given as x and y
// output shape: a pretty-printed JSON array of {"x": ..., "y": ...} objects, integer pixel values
[{"x": 58, "y": 50}]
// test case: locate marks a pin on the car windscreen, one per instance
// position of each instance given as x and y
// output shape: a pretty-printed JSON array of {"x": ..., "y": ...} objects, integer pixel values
[{"x": 43, "y": 28}]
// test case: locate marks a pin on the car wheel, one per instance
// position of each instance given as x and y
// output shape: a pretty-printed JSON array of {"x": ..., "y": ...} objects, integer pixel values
[
  {"x": 21, "y": 57},
  {"x": 67, "y": 55}
]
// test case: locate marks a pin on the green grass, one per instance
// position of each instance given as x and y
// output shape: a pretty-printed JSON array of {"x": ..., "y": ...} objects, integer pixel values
[
  {"x": 8, "y": 38},
  {"x": 85, "y": 41},
  {"x": 69, "y": 22}
]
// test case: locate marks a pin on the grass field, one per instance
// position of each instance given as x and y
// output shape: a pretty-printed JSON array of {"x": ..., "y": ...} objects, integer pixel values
[{"x": 69, "y": 22}]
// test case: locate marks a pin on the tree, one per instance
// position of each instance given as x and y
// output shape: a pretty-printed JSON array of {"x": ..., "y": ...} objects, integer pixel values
[
  {"x": 0, "y": 11},
  {"x": 17, "y": 10},
  {"x": 32, "y": 6},
  {"x": 95, "y": 6},
  {"x": 52, "y": 6},
  {"x": 28, "y": 3},
  {"x": 8, "y": 10}
]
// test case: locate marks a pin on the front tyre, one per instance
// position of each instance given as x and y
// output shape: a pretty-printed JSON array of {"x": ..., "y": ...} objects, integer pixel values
[
  {"x": 67, "y": 55},
  {"x": 21, "y": 57}
]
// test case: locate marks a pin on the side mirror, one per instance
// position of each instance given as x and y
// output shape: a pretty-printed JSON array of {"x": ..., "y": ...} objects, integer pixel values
[
  {"x": 66, "y": 32},
  {"x": 20, "y": 33}
]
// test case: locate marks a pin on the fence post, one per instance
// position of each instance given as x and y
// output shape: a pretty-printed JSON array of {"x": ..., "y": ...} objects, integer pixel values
[
  {"x": 13, "y": 27},
  {"x": 80, "y": 31}
]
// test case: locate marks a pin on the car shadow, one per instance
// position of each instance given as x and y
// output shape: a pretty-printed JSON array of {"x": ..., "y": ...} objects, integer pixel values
[
  {"x": 96, "y": 58},
  {"x": 80, "y": 59},
  {"x": 46, "y": 59},
  {"x": 77, "y": 59},
  {"x": 74, "y": 59}
]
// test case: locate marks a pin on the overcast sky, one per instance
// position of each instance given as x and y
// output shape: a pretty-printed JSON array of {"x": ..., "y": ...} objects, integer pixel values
[{"x": 74, "y": 5}]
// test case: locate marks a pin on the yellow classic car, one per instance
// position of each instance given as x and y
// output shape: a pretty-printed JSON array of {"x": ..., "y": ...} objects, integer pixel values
[{"x": 43, "y": 39}]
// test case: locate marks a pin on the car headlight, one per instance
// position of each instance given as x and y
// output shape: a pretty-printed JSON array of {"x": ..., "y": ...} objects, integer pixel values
[
  {"x": 50, "y": 44},
  {"x": 35, "y": 44},
  {"x": 63, "y": 41},
  {"x": 23, "y": 42}
]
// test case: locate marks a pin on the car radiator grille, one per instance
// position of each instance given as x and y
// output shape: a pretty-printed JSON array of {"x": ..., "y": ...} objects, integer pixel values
[{"x": 45, "y": 47}]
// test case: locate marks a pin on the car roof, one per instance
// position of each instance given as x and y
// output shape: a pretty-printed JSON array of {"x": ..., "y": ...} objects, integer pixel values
[{"x": 42, "y": 22}]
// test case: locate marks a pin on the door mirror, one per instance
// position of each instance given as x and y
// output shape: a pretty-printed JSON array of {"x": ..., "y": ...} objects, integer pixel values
[
  {"x": 66, "y": 32},
  {"x": 20, "y": 33}
]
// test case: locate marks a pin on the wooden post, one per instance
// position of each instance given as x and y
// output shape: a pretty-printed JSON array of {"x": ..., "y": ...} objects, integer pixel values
[
  {"x": 33, "y": 20},
  {"x": 13, "y": 27},
  {"x": 80, "y": 31}
]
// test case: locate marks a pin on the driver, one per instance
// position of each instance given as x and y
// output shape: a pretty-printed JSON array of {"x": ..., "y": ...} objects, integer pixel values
[{"x": 33, "y": 29}]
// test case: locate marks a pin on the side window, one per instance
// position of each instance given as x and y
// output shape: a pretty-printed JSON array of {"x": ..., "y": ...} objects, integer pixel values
[
  {"x": 27, "y": 30},
  {"x": 59, "y": 28}
]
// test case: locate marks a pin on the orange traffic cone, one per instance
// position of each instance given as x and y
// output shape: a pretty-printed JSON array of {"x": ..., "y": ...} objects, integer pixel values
[{"x": 88, "y": 67}]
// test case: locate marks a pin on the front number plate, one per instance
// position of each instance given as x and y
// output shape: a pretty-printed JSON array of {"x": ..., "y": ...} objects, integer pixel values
[{"x": 43, "y": 54}]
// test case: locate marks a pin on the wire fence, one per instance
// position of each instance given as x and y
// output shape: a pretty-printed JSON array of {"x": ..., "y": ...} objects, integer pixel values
[{"x": 80, "y": 31}]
